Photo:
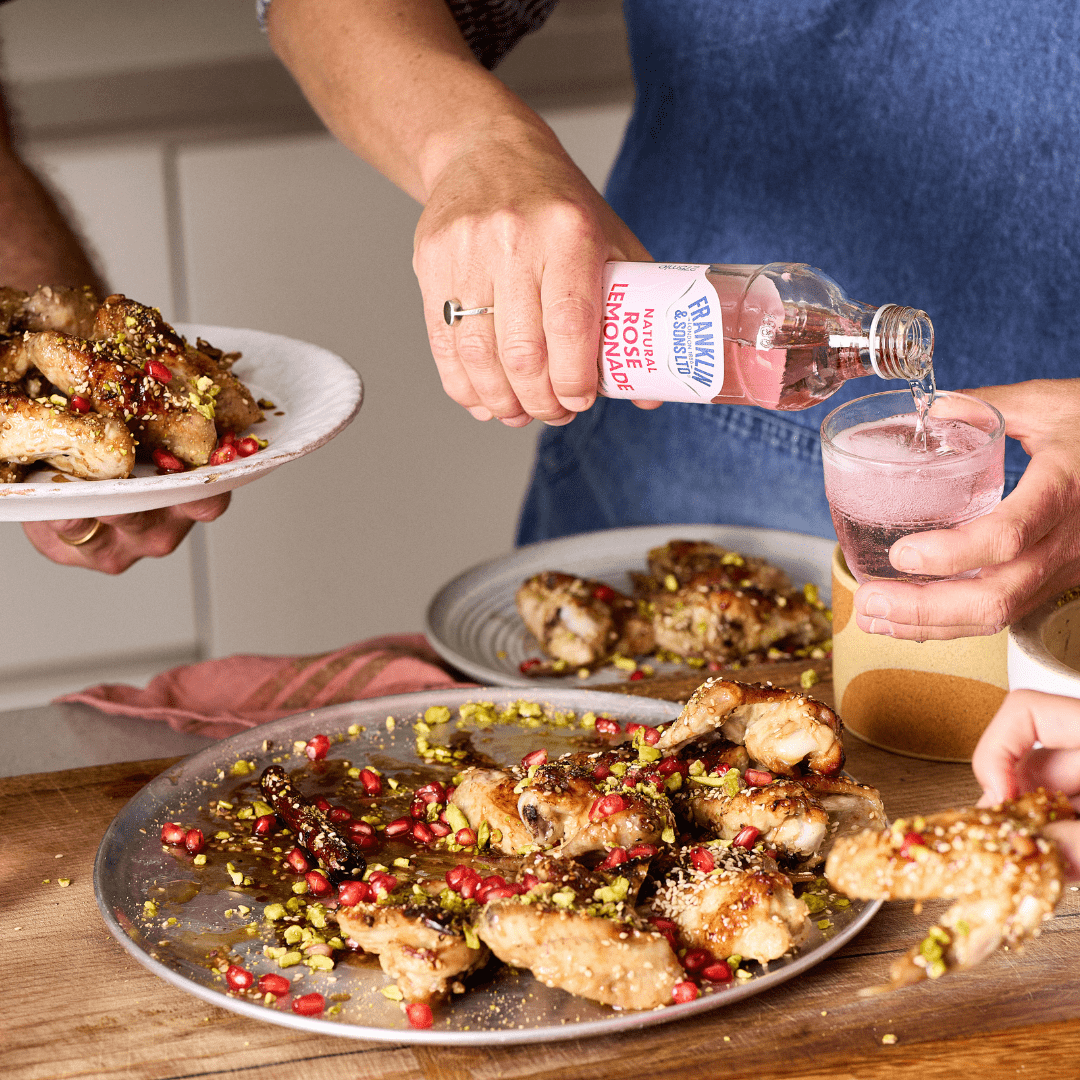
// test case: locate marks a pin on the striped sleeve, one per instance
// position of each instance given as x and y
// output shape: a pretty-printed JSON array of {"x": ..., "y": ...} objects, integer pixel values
[{"x": 491, "y": 28}]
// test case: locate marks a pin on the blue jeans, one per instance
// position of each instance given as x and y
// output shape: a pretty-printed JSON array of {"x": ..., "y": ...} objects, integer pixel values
[{"x": 618, "y": 465}]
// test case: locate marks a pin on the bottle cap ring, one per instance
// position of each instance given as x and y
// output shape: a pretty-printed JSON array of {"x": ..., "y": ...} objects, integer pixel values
[{"x": 452, "y": 311}]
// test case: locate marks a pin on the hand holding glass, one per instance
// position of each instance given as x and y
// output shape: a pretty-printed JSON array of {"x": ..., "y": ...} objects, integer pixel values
[{"x": 884, "y": 479}]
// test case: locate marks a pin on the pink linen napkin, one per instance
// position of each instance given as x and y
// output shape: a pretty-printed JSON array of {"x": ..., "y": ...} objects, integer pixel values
[{"x": 218, "y": 698}]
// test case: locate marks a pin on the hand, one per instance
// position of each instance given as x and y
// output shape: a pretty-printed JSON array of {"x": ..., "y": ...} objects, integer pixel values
[
  {"x": 511, "y": 221},
  {"x": 124, "y": 539},
  {"x": 1007, "y": 764},
  {"x": 1028, "y": 547}
]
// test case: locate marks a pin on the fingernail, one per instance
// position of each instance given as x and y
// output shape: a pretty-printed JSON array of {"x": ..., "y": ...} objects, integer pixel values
[
  {"x": 478, "y": 412},
  {"x": 908, "y": 558},
  {"x": 876, "y": 606},
  {"x": 576, "y": 404},
  {"x": 562, "y": 421},
  {"x": 883, "y": 629}
]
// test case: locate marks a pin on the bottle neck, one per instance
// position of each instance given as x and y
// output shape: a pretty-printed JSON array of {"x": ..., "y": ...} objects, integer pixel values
[{"x": 899, "y": 343}]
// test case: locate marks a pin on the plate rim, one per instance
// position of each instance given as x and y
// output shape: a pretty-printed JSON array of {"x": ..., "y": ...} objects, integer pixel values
[
  {"x": 488, "y": 675},
  {"x": 628, "y": 1021}
]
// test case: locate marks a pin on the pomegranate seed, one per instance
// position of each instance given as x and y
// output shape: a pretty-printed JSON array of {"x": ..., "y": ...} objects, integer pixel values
[
  {"x": 317, "y": 747},
  {"x": 607, "y": 805},
  {"x": 615, "y": 857},
  {"x": 702, "y": 860},
  {"x": 601, "y": 772},
  {"x": 194, "y": 841},
  {"x": 672, "y": 765},
  {"x": 696, "y": 959},
  {"x": 431, "y": 793},
  {"x": 470, "y": 885},
  {"x": 360, "y": 828},
  {"x": 157, "y": 370},
  {"x": 530, "y": 881},
  {"x": 456, "y": 874},
  {"x": 637, "y": 676},
  {"x": 222, "y": 455},
  {"x": 79, "y": 404},
  {"x": 422, "y": 833},
  {"x": 339, "y": 814},
  {"x": 758, "y": 777},
  {"x": 419, "y": 1015},
  {"x": 642, "y": 851},
  {"x": 668, "y": 929},
  {"x": 247, "y": 447},
  {"x": 746, "y": 837},
  {"x": 651, "y": 736},
  {"x": 771, "y": 852},
  {"x": 537, "y": 757},
  {"x": 418, "y": 810},
  {"x": 716, "y": 972},
  {"x": 372, "y": 782},
  {"x": 297, "y": 861},
  {"x": 439, "y": 828},
  {"x": 606, "y": 726},
  {"x": 500, "y": 892},
  {"x": 238, "y": 978},
  {"x": 527, "y": 665},
  {"x": 465, "y": 837},
  {"x": 365, "y": 841},
  {"x": 309, "y": 1005},
  {"x": 277, "y": 985},
  {"x": 604, "y": 594},
  {"x": 167, "y": 462},
  {"x": 632, "y": 728},
  {"x": 322, "y": 804},
  {"x": 911, "y": 839},
  {"x": 318, "y": 883},
  {"x": 263, "y": 826},
  {"x": 353, "y": 892},
  {"x": 229, "y": 438},
  {"x": 399, "y": 827},
  {"x": 681, "y": 992},
  {"x": 172, "y": 832},
  {"x": 382, "y": 882},
  {"x": 450, "y": 792}
]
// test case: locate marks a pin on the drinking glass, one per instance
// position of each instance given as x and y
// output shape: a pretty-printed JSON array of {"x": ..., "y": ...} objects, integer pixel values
[{"x": 883, "y": 480}]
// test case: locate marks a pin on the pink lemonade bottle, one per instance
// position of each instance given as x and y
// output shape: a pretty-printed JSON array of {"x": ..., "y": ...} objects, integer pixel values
[{"x": 782, "y": 336}]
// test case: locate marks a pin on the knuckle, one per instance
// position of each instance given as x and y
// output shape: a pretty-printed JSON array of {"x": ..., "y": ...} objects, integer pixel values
[
  {"x": 1011, "y": 541},
  {"x": 572, "y": 317},
  {"x": 476, "y": 352},
  {"x": 522, "y": 356},
  {"x": 995, "y": 608}
]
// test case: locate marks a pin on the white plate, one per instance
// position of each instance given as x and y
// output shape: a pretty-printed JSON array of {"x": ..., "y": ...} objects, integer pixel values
[
  {"x": 502, "y": 1007},
  {"x": 473, "y": 623},
  {"x": 317, "y": 391}
]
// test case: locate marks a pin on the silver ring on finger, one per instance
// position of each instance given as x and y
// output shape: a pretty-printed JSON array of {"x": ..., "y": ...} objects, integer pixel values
[{"x": 452, "y": 311}]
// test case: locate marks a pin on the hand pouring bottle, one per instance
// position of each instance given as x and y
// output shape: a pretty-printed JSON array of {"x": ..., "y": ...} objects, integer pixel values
[{"x": 782, "y": 336}]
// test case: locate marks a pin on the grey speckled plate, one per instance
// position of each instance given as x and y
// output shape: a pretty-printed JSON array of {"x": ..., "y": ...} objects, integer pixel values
[
  {"x": 317, "y": 392},
  {"x": 473, "y": 623},
  {"x": 500, "y": 1008}
]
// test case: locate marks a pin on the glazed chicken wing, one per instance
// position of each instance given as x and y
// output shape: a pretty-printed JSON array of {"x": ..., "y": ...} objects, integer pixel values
[
  {"x": 582, "y": 622},
  {"x": 489, "y": 795},
  {"x": 1005, "y": 877},
  {"x": 578, "y": 931},
  {"x": 419, "y": 943},
  {"x": 781, "y": 729},
  {"x": 743, "y": 905},
  {"x": 685, "y": 559},
  {"x": 87, "y": 446}
]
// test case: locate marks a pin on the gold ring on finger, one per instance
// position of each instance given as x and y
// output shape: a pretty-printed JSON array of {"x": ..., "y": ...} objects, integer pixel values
[{"x": 95, "y": 529}]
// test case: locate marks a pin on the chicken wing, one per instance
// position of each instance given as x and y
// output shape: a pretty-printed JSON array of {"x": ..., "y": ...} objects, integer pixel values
[
  {"x": 420, "y": 944},
  {"x": 731, "y": 901},
  {"x": 578, "y": 931},
  {"x": 582, "y": 622},
  {"x": 685, "y": 559},
  {"x": 1005, "y": 877},
  {"x": 489, "y": 795},
  {"x": 781, "y": 729},
  {"x": 88, "y": 446}
]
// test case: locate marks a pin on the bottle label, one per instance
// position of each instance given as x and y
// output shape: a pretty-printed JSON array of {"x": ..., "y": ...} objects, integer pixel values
[{"x": 663, "y": 334}]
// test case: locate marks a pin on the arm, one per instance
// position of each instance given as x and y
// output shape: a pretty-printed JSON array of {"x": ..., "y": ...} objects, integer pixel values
[
  {"x": 1007, "y": 764},
  {"x": 508, "y": 218},
  {"x": 38, "y": 246},
  {"x": 1028, "y": 547}
]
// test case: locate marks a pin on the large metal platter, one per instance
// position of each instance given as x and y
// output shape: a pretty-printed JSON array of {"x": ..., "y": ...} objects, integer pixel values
[{"x": 500, "y": 1007}]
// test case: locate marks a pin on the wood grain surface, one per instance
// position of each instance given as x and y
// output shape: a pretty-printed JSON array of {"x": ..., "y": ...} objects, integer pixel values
[{"x": 78, "y": 1006}]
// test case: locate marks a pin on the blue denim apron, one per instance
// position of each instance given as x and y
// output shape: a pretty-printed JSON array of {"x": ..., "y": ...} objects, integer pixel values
[{"x": 922, "y": 152}]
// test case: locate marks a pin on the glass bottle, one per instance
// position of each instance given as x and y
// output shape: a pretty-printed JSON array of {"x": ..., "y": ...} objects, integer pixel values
[{"x": 782, "y": 336}]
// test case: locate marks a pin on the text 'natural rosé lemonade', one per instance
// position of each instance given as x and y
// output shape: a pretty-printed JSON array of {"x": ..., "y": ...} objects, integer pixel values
[{"x": 884, "y": 480}]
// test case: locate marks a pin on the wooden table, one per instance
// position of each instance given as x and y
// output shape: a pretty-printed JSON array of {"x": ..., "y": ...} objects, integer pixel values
[{"x": 77, "y": 1005}]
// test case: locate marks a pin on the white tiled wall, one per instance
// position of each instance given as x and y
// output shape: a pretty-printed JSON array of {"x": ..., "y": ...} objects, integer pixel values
[{"x": 296, "y": 236}]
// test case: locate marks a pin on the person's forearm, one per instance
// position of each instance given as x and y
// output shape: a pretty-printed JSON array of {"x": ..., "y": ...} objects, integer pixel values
[
  {"x": 37, "y": 246},
  {"x": 394, "y": 81}
]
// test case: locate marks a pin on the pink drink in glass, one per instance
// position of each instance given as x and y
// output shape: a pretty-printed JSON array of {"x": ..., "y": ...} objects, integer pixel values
[{"x": 883, "y": 482}]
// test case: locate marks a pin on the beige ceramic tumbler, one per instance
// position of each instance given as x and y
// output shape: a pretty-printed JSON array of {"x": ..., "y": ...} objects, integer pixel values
[{"x": 928, "y": 699}]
